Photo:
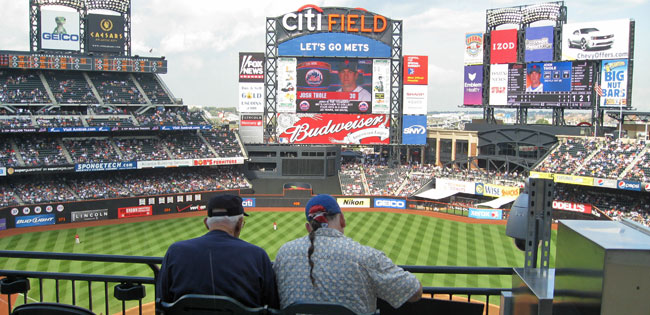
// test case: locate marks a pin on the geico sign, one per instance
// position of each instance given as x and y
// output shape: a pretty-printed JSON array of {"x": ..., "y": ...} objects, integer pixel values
[
  {"x": 390, "y": 203},
  {"x": 306, "y": 19},
  {"x": 63, "y": 37},
  {"x": 415, "y": 130}
]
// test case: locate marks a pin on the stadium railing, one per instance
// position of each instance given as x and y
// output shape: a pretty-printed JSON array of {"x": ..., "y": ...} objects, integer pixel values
[{"x": 153, "y": 262}]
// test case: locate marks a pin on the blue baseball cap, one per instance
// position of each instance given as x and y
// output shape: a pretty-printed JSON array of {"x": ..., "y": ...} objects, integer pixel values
[{"x": 326, "y": 201}]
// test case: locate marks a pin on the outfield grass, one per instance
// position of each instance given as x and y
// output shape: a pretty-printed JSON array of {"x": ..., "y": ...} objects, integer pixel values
[{"x": 407, "y": 239}]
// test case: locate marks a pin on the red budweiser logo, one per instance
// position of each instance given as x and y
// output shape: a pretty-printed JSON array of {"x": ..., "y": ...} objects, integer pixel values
[{"x": 334, "y": 129}]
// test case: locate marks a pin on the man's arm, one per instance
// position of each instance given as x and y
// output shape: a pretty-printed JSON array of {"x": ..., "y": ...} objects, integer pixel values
[{"x": 417, "y": 296}]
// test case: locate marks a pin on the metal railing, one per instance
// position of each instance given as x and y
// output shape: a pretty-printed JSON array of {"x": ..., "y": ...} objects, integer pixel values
[{"x": 153, "y": 262}]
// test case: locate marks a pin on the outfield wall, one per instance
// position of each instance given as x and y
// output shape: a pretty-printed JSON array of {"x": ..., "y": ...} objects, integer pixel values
[{"x": 122, "y": 208}]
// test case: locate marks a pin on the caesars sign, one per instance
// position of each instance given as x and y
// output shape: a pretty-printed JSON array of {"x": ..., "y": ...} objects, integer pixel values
[
  {"x": 59, "y": 30},
  {"x": 105, "y": 33}
]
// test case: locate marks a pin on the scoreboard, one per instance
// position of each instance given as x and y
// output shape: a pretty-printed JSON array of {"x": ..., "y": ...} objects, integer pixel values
[
  {"x": 82, "y": 62},
  {"x": 566, "y": 84}
]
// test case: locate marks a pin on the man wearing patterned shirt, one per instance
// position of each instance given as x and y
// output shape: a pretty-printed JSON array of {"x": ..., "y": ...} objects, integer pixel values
[{"x": 327, "y": 266}]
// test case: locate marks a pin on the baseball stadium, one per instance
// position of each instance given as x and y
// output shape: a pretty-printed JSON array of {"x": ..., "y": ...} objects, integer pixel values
[{"x": 102, "y": 167}]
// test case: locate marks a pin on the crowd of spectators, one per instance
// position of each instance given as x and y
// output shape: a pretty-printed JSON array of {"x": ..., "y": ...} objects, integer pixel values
[
  {"x": 41, "y": 151},
  {"x": 352, "y": 179},
  {"x": 187, "y": 146},
  {"x": 224, "y": 142},
  {"x": 141, "y": 149},
  {"x": 155, "y": 92},
  {"x": 383, "y": 180},
  {"x": 7, "y": 153},
  {"x": 159, "y": 117},
  {"x": 91, "y": 150},
  {"x": 21, "y": 88},
  {"x": 121, "y": 184},
  {"x": 612, "y": 159},
  {"x": 117, "y": 89},
  {"x": 70, "y": 87},
  {"x": 570, "y": 154},
  {"x": 59, "y": 121},
  {"x": 16, "y": 122}
]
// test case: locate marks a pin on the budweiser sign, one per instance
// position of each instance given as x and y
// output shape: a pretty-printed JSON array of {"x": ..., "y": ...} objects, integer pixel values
[{"x": 333, "y": 129}]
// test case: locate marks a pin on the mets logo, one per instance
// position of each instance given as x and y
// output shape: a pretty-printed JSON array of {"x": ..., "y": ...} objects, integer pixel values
[
  {"x": 363, "y": 106},
  {"x": 304, "y": 106},
  {"x": 314, "y": 77}
]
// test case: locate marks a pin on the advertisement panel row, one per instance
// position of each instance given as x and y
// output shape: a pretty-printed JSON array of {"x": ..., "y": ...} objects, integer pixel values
[
  {"x": 251, "y": 82},
  {"x": 102, "y": 129},
  {"x": 593, "y": 182}
]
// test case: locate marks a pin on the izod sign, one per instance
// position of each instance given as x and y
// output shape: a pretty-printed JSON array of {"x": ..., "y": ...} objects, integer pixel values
[
  {"x": 503, "y": 48},
  {"x": 571, "y": 206},
  {"x": 311, "y": 18}
]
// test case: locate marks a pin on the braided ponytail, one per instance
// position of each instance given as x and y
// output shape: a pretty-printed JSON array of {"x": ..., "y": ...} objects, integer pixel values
[{"x": 312, "y": 235}]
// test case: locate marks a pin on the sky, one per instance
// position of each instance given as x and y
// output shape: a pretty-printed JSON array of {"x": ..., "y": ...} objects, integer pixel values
[{"x": 201, "y": 39}]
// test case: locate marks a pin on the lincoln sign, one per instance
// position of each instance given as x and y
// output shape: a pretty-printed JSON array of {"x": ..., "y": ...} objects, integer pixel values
[{"x": 333, "y": 129}]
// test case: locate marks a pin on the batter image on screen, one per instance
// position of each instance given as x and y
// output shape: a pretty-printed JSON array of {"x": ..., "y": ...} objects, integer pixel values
[
  {"x": 534, "y": 76},
  {"x": 349, "y": 76}
]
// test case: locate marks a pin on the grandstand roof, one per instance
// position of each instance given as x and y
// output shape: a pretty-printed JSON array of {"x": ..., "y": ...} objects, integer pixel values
[
  {"x": 436, "y": 194},
  {"x": 497, "y": 203}
]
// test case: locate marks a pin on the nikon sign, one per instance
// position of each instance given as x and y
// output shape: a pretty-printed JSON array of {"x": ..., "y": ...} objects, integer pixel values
[{"x": 105, "y": 33}]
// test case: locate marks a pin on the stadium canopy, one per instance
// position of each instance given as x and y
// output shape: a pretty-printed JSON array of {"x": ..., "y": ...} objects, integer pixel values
[
  {"x": 436, "y": 194},
  {"x": 497, "y": 203}
]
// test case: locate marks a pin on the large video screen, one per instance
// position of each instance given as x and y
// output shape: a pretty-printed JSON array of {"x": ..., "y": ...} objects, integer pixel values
[{"x": 568, "y": 84}]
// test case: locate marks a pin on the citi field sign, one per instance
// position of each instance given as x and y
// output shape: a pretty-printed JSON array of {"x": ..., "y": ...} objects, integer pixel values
[{"x": 333, "y": 32}]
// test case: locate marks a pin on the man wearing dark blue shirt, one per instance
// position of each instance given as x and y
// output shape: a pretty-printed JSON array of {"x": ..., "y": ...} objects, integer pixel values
[{"x": 219, "y": 263}]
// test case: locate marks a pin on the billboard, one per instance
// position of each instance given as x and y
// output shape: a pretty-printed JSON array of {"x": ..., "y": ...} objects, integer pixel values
[
  {"x": 568, "y": 84},
  {"x": 498, "y": 84},
  {"x": 35, "y": 220},
  {"x": 414, "y": 129},
  {"x": 132, "y": 212},
  {"x": 473, "y": 49},
  {"x": 89, "y": 215},
  {"x": 572, "y": 206},
  {"x": 251, "y": 67},
  {"x": 59, "y": 29},
  {"x": 416, "y": 70},
  {"x": 105, "y": 33},
  {"x": 381, "y": 86},
  {"x": 251, "y": 82},
  {"x": 353, "y": 202},
  {"x": 415, "y": 100},
  {"x": 539, "y": 44},
  {"x": 486, "y": 214},
  {"x": 327, "y": 85},
  {"x": 504, "y": 46},
  {"x": 251, "y": 128},
  {"x": 333, "y": 129},
  {"x": 334, "y": 45},
  {"x": 473, "y": 90},
  {"x": 251, "y": 97},
  {"x": 389, "y": 203},
  {"x": 613, "y": 82},
  {"x": 596, "y": 40},
  {"x": 286, "y": 98},
  {"x": 105, "y": 166}
]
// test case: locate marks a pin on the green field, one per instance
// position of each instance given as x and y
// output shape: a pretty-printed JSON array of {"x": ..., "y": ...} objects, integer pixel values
[{"x": 407, "y": 239}]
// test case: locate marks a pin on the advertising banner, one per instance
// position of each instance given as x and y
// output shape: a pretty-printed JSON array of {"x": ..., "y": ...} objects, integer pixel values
[
  {"x": 381, "y": 86},
  {"x": 251, "y": 129},
  {"x": 646, "y": 186},
  {"x": 109, "y": 166},
  {"x": 132, "y": 212},
  {"x": 416, "y": 70},
  {"x": 605, "y": 183},
  {"x": 105, "y": 33},
  {"x": 455, "y": 185},
  {"x": 473, "y": 91},
  {"x": 3, "y": 171},
  {"x": 539, "y": 44},
  {"x": 173, "y": 128},
  {"x": 164, "y": 163},
  {"x": 473, "y": 49},
  {"x": 548, "y": 77},
  {"x": 596, "y": 40},
  {"x": 498, "y": 84},
  {"x": 390, "y": 203},
  {"x": 572, "y": 206},
  {"x": 3, "y": 224},
  {"x": 629, "y": 185},
  {"x": 574, "y": 180},
  {"x": 79, "y": 129},
  {"x": 613, "y": 82},
  {"x": 286, "y": 98},
  {"x": 414, "y": 129},
  {"x": 492, "y": 190},
  {"x": 353, "y": 202},
  {"x": 334, "y": 45},
  {"x": 248, "y": 202},
  {"x": 487, "y": 214},
  {"x": 328, "y": 85},
  {"x": 415, "y": 100},
  {"x": 218, "y": 161},
  {"x": 251, "y": 67},
  {"x": 251, "y": 97},
  {"x": 59, "y": 29},
  {"x": 333, "y": 129},
  {"x": 541, "y": 175},
  {"x": 89, "y": 215},
  {"x": 504, "y": 46},
  {"x": 35, "y": 220}
]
